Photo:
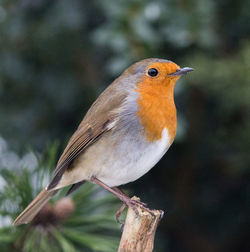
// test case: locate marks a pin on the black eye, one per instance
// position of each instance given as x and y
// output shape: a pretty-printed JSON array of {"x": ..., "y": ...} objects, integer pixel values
[{"x": 152, "y": 72}]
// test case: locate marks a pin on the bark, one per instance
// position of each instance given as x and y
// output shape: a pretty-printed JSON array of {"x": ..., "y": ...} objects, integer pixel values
[{"x": 139, "y": 232}]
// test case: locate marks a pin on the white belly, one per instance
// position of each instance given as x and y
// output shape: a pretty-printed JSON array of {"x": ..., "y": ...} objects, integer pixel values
[
  {"x": 137, "y": 163},
  {"x": 117, "y": 163}
]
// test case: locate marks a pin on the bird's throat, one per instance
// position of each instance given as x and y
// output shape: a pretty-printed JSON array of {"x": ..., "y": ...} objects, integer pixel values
[{"x": 156, "y": 110}]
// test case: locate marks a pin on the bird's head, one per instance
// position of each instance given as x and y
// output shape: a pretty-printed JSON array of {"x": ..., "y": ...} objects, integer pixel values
[{"x": 157, "y": 72}]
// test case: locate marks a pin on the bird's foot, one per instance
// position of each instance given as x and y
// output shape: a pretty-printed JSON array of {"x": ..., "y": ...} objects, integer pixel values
[
  {"x": 136, "y": 203},
  {"x": 118, "y": 215},
  {"x": 143, "y": 207},
  {"x": 133, "y": 204}
]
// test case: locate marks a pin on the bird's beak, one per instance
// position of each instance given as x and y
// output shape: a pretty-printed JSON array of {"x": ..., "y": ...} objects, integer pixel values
[{"x": 182, "y": 71}]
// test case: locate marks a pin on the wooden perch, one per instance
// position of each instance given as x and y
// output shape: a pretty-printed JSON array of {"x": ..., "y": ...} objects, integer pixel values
[{"x": 139, "y": 232}]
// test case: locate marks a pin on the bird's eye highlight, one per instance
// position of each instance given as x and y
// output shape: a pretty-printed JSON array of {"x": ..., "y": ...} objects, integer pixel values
[{"x": 152, "y": 72}]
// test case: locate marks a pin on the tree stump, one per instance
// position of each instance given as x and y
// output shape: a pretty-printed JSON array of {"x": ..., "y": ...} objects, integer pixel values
[{"x": 139, "y": 232}]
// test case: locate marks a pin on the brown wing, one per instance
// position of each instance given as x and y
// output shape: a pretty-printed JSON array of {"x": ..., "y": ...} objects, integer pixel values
[
  {"x": 79, "y": 141},
  {"x": 97, "y": 121}
]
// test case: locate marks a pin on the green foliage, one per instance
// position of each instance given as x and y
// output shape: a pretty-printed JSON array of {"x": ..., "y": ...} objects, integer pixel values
[{"x": 91, "y": 225}]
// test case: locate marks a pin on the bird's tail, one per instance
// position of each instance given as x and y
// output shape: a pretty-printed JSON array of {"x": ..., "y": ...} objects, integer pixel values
[{"x": 34, "y": 207}]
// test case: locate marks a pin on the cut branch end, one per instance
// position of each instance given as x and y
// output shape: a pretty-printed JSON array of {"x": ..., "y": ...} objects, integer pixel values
[{"x": 139, "y": 231}]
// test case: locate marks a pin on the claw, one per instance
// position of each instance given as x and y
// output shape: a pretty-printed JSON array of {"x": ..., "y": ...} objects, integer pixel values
[
  {"x": 133, "y": 203},
  {"x": 118, "y": 215},
  {"x": 162, "y": 214},
  {"x": 122, "y": 227}
]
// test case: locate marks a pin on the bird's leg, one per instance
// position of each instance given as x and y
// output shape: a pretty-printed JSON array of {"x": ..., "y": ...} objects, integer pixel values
[
  {"x": 124, "y": 198},
  {"x": 118, "y": 214},
  {"x": 120, "y": 191},
  {"x": 121, "y": 209}
]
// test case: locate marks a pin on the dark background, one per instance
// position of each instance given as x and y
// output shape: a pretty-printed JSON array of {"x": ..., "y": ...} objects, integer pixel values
[{"x": 57, "y": 56}]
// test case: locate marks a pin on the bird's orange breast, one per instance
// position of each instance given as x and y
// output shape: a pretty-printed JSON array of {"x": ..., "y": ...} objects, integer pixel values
[{"x": 156, "y": 109}]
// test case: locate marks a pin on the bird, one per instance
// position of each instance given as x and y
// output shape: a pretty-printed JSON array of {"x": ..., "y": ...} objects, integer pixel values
[{"x": 125, "y": 132}]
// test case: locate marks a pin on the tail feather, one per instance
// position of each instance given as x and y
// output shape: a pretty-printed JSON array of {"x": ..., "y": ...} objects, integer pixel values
[{"x": 34, "y": 207}]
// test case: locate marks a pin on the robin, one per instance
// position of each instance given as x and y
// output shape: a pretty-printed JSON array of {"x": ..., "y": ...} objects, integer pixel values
[{"x": 124, "y": 134}]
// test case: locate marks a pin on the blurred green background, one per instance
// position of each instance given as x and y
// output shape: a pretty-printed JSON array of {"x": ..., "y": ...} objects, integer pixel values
[{"x": 57, "y": 56}]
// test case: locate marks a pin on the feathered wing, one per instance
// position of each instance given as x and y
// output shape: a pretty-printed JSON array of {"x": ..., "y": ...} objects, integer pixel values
[
  {"x": 100, "y": 118},
  {"x": 83, "y": 137}
]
